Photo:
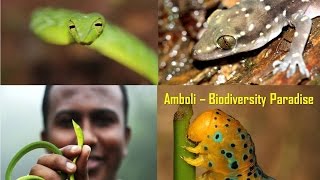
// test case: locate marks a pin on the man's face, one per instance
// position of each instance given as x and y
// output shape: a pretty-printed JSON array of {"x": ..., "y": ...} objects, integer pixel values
[{"x": 100, "y": 113}]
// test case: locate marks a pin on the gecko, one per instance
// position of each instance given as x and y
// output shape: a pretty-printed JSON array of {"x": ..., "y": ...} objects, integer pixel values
[
  {"x": 225, "y": 148},
  {"x": 251, "y": 24}
]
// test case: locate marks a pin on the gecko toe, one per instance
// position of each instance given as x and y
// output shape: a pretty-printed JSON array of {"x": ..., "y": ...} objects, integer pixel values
[
  {"x": 297, "y": 61},
  {"x": 290, "y": 64},
  {"x": 279, "y": 66}
]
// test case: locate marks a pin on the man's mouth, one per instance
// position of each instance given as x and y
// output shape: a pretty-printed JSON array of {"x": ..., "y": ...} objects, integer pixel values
[{"x": 94, "y": 162}]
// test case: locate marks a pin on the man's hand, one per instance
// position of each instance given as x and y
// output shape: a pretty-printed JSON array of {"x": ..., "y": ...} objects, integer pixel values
[{"x": 48, "y": 165}]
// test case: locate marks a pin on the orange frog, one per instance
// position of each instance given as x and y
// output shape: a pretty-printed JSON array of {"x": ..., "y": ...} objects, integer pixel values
[{"x": 225, "y": 148}]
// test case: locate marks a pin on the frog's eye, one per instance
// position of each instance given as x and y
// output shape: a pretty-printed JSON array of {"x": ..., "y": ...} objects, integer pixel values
[{"x": 226, "y": 42}]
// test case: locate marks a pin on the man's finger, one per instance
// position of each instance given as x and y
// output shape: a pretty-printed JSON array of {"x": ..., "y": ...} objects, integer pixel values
[
  {"x": 57, "y": 163},
  {"x": 44, "y": 172},
  {"x": 82, "y": 161},
  {"x": 71, "y": 151}
]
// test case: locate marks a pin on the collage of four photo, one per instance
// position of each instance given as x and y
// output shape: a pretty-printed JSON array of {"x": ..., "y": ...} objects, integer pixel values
[{"x": 160, "y": 89}]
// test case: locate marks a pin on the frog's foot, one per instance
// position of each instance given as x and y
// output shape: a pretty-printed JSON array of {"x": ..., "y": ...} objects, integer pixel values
[
  {"x": 208, "y": 175},
  {"x": 195, "y": 150},
  {"x": 194, "y": 162},
  {"x": 290, "y": 63}
]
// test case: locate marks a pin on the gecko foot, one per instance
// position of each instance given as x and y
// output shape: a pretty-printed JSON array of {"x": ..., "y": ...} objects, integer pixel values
[{"x": 290, "y": 62}]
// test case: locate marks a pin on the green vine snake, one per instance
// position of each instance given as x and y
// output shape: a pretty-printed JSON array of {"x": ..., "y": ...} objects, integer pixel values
[
  {"x": 63, "y": 27},
  {"x": 46, "y": 145}
]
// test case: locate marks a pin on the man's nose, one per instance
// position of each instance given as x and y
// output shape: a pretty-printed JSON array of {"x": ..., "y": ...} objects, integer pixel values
[{"x": 90, "y": 137}]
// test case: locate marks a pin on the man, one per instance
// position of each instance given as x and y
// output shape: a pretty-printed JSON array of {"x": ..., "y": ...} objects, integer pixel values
[{"x": 101, "y": 111}]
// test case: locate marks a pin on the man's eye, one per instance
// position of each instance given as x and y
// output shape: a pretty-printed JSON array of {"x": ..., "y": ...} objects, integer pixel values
[
  {"x": 102, "y": 120},
  {"x": 64, "y": 122}
]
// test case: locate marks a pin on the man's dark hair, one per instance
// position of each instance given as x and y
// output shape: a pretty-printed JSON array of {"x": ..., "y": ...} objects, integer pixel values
[{"x": 45, "y": 104}]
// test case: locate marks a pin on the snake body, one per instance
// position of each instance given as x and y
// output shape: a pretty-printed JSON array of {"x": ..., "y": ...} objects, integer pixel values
[
  {"x": 63, "y": 27},
  {"x": 42, "y": 144},
  {"x": 25, "y": 150}
]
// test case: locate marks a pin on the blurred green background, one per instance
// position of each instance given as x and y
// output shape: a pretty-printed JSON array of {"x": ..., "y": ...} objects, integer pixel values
[{"x": 21, "y": 123}]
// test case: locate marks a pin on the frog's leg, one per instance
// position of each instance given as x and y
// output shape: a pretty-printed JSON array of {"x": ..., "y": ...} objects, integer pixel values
[
  {"x": 197, "y": 149},
  {"x": 194, "y": 162},
  {"x": 208, "y": 175}
]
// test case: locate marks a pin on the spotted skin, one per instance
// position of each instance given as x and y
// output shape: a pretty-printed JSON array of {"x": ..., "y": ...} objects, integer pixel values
[
  {"x": 224, "y": 148},
  {"x": 253, "y": 23}
]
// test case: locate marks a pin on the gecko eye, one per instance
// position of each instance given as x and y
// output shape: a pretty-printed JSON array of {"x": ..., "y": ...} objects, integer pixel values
[
  {"x": 72, "y": 26},
  {"x": 226, "y": 42}
]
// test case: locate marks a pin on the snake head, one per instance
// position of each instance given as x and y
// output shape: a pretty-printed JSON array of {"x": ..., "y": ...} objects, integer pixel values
[{"x": 85, "y": 28}]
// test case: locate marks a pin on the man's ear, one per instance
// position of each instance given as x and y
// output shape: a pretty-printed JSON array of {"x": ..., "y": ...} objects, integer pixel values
[
  {"x": 127, "y": 139},
  {"x": 44, "y": 135}
]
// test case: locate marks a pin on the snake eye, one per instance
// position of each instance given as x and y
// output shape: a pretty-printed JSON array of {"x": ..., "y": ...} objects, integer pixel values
[
  {"x": 72, "y": 26},
  {"x": 226, "y": 42},
  {"x": 98, "y": 24}
]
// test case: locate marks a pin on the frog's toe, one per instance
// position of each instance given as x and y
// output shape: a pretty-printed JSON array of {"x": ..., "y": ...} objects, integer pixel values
[{"x": 194, "y": 162}]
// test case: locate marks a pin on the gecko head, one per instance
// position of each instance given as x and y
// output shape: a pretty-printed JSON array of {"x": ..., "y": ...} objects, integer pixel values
[
  {"x": 216, "y": 42},
  {"x": 84, "y": 29},
  {"x": 228, "y": 34},
  {"x": 214, "y": 45}
]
